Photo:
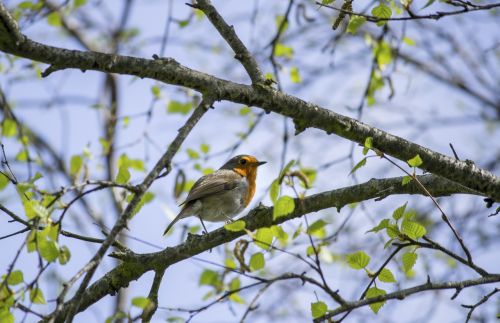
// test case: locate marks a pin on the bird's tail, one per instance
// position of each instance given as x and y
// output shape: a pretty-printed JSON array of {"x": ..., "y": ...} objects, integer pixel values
[{"x": 177, "y": 218}]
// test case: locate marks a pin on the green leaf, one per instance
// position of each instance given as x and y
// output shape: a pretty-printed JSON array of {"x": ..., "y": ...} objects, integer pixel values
[
  {"x": 381, "y": 226},
  {"x": 318, "y": 229},
  {"x": 49, "y": 250},
  {"x": 429, "y": 2},
  {"x": 327, "y": 1},
  {"x": 64, "y": 255},
  {"x": 204, "y": 148},
  {"x": 286, "y": 168},
  {"x": 54, "y": 19},
  {"x": 409, "y": 260},
  {"x": 4, "y": 181},
  {"x": 36, "y": 296},
  {"x": 146, "y": 198},
  {"x": 406, "y": 180},
  {"x": 374, "y": 292},
  {"x": 123, "y": 175},
  {"x": 274, "y": 191},
  {"x": 283, "y": 206},
  {"x": 178, "y": 107},
  {"x": 210, "y": 278},
  {"x": 280, "y": 234},
  {"x": 155, "y": 89},
  {"x": 383, "y": 54},
  {"x": 140, "y": 302},
  {"x": 360, "y": 164},
  {"x": 75, "y": 164},
  {"x": 386, "y": 276},
  {"x": 264, "y": 238},
  {"x": 354, "y": 23},
  {"x": 282, "y": 50},
  {"x": 408, "y": 41},
  {"x": 235, "y": 226},
  {"x": 257, "y": 261},
  {"x": 15, "y": 277},
  {"x": 245, "y": 111},
  {"x": 413, "y": 230},
  {"x": 415, "y": 161},
  {"x": 6, "y": 316},
  {"x": 318, "y": 309},
  {"x": 358, "y": 260},
  {"x": 9, "y": 128},
  {"x": 392, "y": 231},
  {"x": 382, "y": 11},
  {"x": 192, "y": 154},
  {"x": 79, "y": 3},
  {"x": 398, "y": 213},
  {"x": 294, "y": 75}
]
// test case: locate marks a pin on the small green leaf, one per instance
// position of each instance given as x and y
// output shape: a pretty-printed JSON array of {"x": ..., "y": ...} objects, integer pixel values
[
  {"x": 295, "y": 75},
  {"x": 6, "y": 316},
  {"x": 79, "y": 3},
  {"x": 358, "y": 260},
  {"x": 283, "y": 206},
  {"x": 54, "y": 19},
  {"x": 75, "y": 164},
  {"x": 155, "y": 89},
  {"x": 354, "y": 23},
  {"x": 235, "y": 226},
  {"x": 257, "y": 261},
  {"x": 192, "y": 154},
  {"x": 408, "y": 41},
  {"x": 429, "y": 2},
  {"x": 245, "y": 111},
  {"x": 49, "y": 250},
  {"x": 210, "y": 278},
  {"x": 374, "y": 292},
  {"x": 4, "y": 181},
  {"x": 415, "y": 161},
  {"x": 264, "y": 238},
  {"x": 15, "y": 277},
  {"x": 409, "y": 260},
  {"x": 406, "y": 180},
  {"x": 64, "y": 255},
  {"x": 398, "y": 213},
  {"x": 381, "y": 226},
  {"x": 9, "y": 128},
  {"x": 274, "y": 191},
  {"x": 368, "y": 145},
  {"x": 280, "y": 234},
  {"x": 413, "y": 230},
  {"x": 318, "y": 309},
  {"x": 282, "y": 50},
  {"x": 382, "y": 11},
  {"x": 386, "y": 276},
  {"x": 140, "y": 302},
  {"x": 317, "y": 229},
  {"x": 177, "y": 107},
  {"x": 36, "y": 296},
  {"x": 360, "y": 164},
  {"x": 123, "y": 175},
  {"x": 204, "y": 148}
]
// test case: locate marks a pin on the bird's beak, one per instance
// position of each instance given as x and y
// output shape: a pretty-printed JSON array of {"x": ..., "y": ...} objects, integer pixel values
[{"x": 261, "y": 163}]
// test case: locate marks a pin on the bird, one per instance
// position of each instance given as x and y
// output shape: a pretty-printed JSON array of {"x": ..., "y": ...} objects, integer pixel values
[{"x": 223, "y": 194}]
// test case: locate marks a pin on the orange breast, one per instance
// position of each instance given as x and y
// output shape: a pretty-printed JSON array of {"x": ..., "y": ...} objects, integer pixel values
[{"x": 251, "y": 175}]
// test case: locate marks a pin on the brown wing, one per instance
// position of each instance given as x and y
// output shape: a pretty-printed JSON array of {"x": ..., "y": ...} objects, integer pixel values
[{"x": 213, "y": 184}]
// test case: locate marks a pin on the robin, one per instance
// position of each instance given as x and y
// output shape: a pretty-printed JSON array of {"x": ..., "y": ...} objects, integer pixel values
[{"x": 223, "y": 194}]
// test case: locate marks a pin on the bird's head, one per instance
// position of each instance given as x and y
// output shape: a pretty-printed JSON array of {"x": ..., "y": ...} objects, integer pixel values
[{"x": 245, "y": 165}]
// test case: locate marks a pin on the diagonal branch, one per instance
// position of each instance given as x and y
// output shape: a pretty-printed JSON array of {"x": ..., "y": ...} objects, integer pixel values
[
  {"x": 135, "y": 265},
  {"x": 163, "y": 162},
  {"x": 303, "y": 113},
  {"x": 227, "y": 32}
]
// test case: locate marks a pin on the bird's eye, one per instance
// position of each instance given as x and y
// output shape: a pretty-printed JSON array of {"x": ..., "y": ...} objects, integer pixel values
[{"x": 243, "y": 161}]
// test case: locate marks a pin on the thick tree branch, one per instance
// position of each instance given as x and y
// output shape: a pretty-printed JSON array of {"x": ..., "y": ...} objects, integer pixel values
[
  {"x": 303, "y": 113},
  {"x": 135, "y": 265},
  {"x": 402, "y": 294}
]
